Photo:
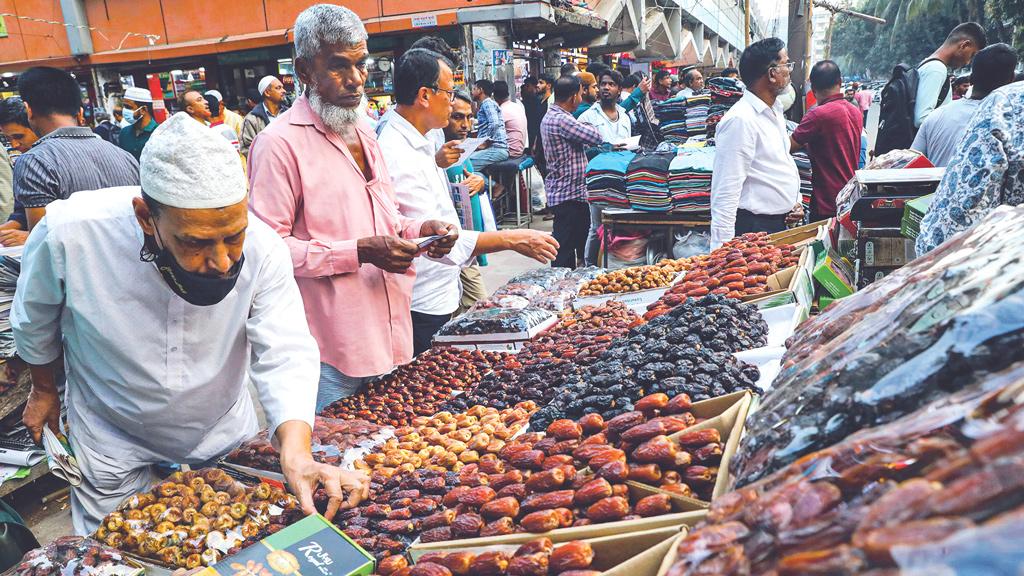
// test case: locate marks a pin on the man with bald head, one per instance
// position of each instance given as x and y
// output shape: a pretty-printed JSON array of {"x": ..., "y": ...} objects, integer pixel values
[{"x": 194, "y": 104}]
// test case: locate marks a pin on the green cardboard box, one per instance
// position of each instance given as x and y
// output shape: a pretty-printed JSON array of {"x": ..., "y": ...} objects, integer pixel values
[
  {"x": 311, "y": 546},
  {"x": 833, "y": 274}
]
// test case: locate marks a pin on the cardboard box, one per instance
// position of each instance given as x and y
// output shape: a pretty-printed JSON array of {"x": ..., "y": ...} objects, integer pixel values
[
  {"x": 833, "y": 274},
  {"x": 884, "y": 247},
  {"x": 792, "y": 285},
  {"x": 310, "y": 546},
  {"x": 629, "y": 554},
  {"x": 800, "y": 236},
  {"x": 670, "y": 556},
  {"x": 869, "y": 274},
  {"x": 686, "y": 512}
]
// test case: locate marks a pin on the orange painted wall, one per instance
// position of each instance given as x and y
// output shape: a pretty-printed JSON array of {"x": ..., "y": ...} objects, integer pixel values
[{"x": 177, "y": 21}]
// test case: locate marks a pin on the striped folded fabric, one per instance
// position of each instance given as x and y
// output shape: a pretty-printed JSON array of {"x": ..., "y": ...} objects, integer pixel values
[{"x": 606, "y": 179}]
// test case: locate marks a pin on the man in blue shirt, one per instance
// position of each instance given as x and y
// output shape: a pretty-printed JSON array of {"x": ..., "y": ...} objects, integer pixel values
[{"x": 490, "y": 125}]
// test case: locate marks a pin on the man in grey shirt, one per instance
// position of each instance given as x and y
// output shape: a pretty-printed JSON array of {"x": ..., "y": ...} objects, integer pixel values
[
  {"x": 944, "y": 128},
  {"x": 67, "y": 158}
]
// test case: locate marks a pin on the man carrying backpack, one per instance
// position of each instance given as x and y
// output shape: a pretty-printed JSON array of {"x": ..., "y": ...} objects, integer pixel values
[{"x": 912, "y": 93}]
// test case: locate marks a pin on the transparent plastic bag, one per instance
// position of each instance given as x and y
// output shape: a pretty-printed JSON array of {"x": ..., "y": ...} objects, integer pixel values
[
  {"x": 941, "y": 322},
  {"x": 495, "y": 321},
  {"x": 691, "y": 244},
  {"x": 75, "y": 556},
  {"x": 514, "y": 289},
  {"x": 939, "y": 491},
  {"x": 501, "y": 301},
  {"x": 543, "y": 277},
  {"x": 332, "y": 440},
  {"x": 556, "y": 300}
]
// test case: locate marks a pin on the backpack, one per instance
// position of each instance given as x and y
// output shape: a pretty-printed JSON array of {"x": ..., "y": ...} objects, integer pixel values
[{"x": 896, "y": 129}]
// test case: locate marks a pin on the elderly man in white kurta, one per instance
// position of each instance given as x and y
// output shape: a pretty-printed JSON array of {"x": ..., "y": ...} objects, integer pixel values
[{"x": 162, "y": 303}]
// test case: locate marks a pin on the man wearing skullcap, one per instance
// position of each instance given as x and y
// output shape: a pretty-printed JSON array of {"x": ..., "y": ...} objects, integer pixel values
[
  {"x": 230, "y": 117},
  {"x": 164, "y": 301},
  {"x": 138, "y": 113},
  {"x": 272, "y": 91}
]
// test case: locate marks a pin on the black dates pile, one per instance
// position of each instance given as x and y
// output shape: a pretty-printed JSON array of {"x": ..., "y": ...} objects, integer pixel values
[
  {"x": 686, "y": 351},
  {"x": 542, "y": 366},
  {"x": 495, "y": 321}
]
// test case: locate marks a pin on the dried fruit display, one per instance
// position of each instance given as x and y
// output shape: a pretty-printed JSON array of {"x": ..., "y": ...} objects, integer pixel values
[
  {"x": 687, "y": 351},
  {"x": 501, "y": 301},
  {"x": 523, "y": 290},
  {"x": 540, "y": 368},
  {"x": 193, "y": 518},
  {"x": 635, "y": 278},
  {"x": 741, "y": 267},
  {"x": 495, "y": 321},
  {"x": 400, "y": 509},
  {"x": 943, "y": 321},
  {"x": 74, "y": 556},
  {"x": 940, "y": 491},
  {"x": 535, "y": 558},
  {"x": 447, "y": 441},
  {"x": 331, "y": 438},
  {"x": 417, "y": 388}
]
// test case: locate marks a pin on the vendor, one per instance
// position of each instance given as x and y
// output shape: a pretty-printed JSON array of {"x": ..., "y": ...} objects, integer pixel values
[{"x": 163, "y": 303}]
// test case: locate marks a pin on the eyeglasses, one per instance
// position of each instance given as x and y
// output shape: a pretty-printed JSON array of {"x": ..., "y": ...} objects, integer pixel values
[
  {"x": 451, "y": 93},
  {"x": 788, "y": 65}
]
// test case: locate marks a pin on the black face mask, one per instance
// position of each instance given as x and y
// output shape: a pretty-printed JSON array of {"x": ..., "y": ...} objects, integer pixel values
[{"x": 195, "y": 289}]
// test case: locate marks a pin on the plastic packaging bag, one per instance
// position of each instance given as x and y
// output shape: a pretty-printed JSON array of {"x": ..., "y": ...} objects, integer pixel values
[
  {"x": 495, "y": 321},
  {"x": 691, "y": 244},
  {"x": 75, "y": 556},
  {"x": 501, "y": 301},
  {"x": 525, "y": 290},
  {"x": 332, "y": 440},
  {"x": 930, "y": 328},
  {"x": 543, "y": 277},
  {"x": 939, "y": 491}
]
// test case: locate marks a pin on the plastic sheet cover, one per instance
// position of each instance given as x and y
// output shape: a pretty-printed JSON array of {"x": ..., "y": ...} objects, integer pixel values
[
  {"x": 931, "y": 328},
  {"x": 333, "y": 443},
  {"x": 74, "y": 556},
  {"x": 495, "y": 321},
  {"x": 937, "y": 492}
]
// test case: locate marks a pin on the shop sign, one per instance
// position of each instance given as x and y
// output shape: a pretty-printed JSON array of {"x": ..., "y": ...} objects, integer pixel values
[
  {"x": 501, "y": 58},
  {"x": 3, "y": 27},
  {"x": 424, "y": 21}
]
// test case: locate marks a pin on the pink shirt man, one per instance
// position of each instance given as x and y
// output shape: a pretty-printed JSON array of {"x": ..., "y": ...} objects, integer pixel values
[
  {"x": 305, "y": 184},
  {"x": 863, "y": 99},
  {"x": 515, "y": 126}
]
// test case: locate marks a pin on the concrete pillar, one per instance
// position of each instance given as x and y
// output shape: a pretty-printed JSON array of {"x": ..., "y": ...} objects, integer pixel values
[
  {"x": 485, "y": 39},
  {"x": 552, "y": 62},
  {"x": 79, "y": 39}
]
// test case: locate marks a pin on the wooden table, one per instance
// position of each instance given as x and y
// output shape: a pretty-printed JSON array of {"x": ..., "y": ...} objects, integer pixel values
[{"x": 612, "y": 217}]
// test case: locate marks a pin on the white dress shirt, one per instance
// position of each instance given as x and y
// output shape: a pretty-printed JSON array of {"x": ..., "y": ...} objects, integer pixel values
[
  {"x": 753, "y": 168},
  {"x": 611, "y": 131},
  {"x": 422, "y": 191},
  {"x": 685, "y": 92},
  {"x": 150, "y": 376}
]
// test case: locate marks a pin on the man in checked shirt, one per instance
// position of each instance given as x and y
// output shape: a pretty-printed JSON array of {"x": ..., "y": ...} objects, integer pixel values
[{"x": 565, "y": 140}]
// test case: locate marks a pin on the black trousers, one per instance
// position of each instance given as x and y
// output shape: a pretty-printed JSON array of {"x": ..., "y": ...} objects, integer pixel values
[
  {"x": 571, "y": 226},
  {"x": 747, "y": 221},
  {"x": 424, "y": 326}
]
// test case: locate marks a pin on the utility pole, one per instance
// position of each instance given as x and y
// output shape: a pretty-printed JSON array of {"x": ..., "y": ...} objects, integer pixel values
[
  {"x": 796, "y": 47},
  {"x": 746, "y": 22}
]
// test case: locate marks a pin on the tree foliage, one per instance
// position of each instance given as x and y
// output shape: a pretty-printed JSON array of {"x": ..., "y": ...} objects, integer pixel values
[{"x": 914, "y": 29}]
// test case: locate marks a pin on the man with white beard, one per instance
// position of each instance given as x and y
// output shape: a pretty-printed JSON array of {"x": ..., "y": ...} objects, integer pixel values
[{"x": 317, "y": 176}]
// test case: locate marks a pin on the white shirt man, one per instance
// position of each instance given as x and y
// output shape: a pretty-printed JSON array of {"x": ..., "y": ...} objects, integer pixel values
[
  {"x": 613, "y": 131},
  {"x": 421, "y": 188},
  {"x": 753, "y": 169}
]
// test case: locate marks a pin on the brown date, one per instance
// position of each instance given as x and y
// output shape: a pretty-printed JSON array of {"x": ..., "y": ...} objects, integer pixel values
[
  {"x": 429, "y": 569},
  {"x": 592, "y": 491},
  {"x": 529, "y": 565},
  {"x": 500, "y": 507},
  {"x": 489, "y": 564},
  {"x": 608, "y": 509},
  {"x": 654, "y": 505},
  {"x": 541, "y": 521},
  {"x": 565, "y": 429},
  {"x": 547, "y": 501},
  {"x": 467, "y": 525},
  {"x": 546, "y": 481},
  {"x": 575, "y": 555}
]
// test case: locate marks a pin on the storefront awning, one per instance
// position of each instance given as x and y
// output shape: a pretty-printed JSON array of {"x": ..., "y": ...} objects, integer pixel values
[
  {"x": 194, "y": 47},
  {"x": 623, "y": 34},
  {"x": 534, "y": 18}
]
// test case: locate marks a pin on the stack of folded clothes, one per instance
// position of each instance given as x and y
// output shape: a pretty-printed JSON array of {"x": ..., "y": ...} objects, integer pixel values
[
  {"x": 647, "y": 181},
  {"x": 606, "y": 179},
  {"x": 803, "y": 165},
  {"x": 697, "y": 110},
  {"x": 689, "y": 181},
  {"x": 724, "y": 93},
  {"x": 672, "y": 119}
]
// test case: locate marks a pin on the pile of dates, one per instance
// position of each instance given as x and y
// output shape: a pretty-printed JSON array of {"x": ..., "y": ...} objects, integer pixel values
[
  {"x": 686, "y": 351},
  {"x": 541, "y": 367},
  {"x": 739, "y": 268},
  {"x": 940, "y": 491},
  {"x": 648, "y": 445},
  {"x": 193, "y": 518},
  {"x": 534, "y": 558},
  {"x": 74, "y": 556},
  {"x": 418, "y": 388},
  {"x": 635, "y": 278},
  {"x": 496, "y": 321},
  {"x": 331, "y": 438},
  {"x": 447, "y": 441},
  {"x": 399, "y": 509}
]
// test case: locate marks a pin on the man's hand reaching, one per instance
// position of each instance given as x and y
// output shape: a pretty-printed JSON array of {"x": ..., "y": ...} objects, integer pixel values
[
  {"x": 441, "y": 247},
  {"x": 389, "y": 253}
]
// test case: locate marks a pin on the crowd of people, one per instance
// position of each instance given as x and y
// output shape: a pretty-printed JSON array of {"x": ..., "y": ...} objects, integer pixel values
[{"x": 311, "y": 248}]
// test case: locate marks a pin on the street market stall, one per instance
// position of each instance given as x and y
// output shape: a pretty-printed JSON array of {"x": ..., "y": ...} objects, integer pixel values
[{"x": 574, "y": 424}]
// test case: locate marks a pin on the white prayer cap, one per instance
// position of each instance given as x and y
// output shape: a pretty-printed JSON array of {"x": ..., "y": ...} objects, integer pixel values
[
  {"x": 136, "y": 94},
  {"x": 187, "y": 165},
  {"x": 265, "y": 83},
  {"x": 215, "y": 94}
]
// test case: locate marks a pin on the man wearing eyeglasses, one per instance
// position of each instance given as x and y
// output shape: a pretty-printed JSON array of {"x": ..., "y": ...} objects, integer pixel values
[
  {"x": 424, "y": 91},
  {"x": 756, "y": 187}
]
